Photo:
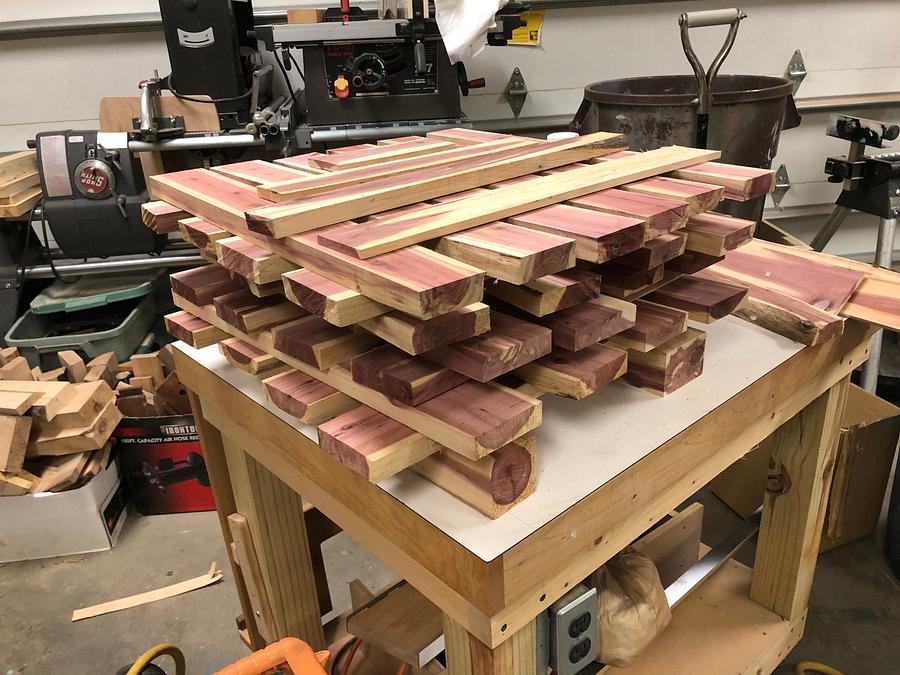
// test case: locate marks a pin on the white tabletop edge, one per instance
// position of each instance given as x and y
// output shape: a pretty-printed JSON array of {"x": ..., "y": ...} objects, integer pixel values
[{"x": 737, "y": 354}]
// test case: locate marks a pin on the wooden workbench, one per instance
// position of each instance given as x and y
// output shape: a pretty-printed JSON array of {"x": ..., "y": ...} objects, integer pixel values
[{"x": 609, "y": 467}]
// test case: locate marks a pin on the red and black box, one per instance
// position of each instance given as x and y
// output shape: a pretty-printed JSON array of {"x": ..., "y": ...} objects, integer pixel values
[{"x": 163, "y": 464}]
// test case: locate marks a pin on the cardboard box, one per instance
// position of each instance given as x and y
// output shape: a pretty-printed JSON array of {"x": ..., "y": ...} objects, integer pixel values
[
  {"x": 869, "y": 433},
  {"x": 162, "y": 461},
  {"x": 870, "y": 428},
  {"x": 51, "y": 524}
]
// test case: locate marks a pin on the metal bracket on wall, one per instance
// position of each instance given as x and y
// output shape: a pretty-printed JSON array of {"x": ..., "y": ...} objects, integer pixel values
[
  {"x": 516, "y": 92},
  {"x": 782, "y": 185},
  {"x": 796, "y": 70}
]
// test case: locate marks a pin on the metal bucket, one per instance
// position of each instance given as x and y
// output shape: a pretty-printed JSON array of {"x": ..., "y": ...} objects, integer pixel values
[{"x": 747, "y": 116}]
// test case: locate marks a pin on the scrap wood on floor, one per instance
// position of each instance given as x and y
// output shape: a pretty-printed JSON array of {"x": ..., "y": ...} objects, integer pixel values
[
  {"x": 213, "y": 576},
  {"x": 449, "y": 348}
]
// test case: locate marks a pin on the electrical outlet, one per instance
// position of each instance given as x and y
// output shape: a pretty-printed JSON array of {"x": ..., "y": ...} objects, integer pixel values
[{"x": 573, "y": 630}]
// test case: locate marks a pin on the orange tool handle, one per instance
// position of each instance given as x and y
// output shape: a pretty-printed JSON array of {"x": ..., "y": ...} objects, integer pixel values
[{"x": 292, "y": 652}]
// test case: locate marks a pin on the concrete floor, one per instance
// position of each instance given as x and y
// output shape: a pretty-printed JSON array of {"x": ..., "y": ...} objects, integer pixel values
[{"x": 853, "y": 623}]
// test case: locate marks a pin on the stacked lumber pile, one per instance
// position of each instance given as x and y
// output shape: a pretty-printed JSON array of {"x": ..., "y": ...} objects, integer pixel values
[
  {"x": 20, "y": 187},
  {"x": 413, "y": 298},
  {"x": 54, "y": 435}
]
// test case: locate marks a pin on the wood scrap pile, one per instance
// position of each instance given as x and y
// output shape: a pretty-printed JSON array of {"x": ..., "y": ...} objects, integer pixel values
[
  {"x": 20, "y": 187},
  {"x": 56, "y": 426},
  {"x": 413, "y": 299},
  {"x": 148, "y": 386},
  {"x": 53, "y": 435}
]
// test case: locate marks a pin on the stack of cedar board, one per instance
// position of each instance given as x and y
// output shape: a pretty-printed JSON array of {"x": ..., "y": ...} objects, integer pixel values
[
  {"x": 414, "y": 298},
  {"x": 20, "y": 187},
  {"x": 53, "y": 435}
]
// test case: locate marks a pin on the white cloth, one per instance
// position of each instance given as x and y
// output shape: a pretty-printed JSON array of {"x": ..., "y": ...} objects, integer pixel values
[{"x": 464, "y": 25}]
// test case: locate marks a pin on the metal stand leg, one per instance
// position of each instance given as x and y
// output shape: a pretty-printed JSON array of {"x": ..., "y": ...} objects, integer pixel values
[
  {"x": 884, "y": 257},
  {"x": 835, "y": 220}
]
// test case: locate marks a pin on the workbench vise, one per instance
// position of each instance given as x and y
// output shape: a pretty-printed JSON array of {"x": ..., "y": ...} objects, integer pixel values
[{"x": 871, "y": 183}]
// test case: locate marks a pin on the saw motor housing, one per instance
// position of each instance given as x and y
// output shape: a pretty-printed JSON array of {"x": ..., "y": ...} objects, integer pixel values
[{"x": 93, "y": 191}]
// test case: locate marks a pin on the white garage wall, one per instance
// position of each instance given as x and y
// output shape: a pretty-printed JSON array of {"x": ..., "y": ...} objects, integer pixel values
[{"x": 848, "y": 47}]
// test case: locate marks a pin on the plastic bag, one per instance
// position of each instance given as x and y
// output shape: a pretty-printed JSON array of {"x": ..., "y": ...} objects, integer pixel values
[
  {"x": 464, "y": 25},
  {"x": 632, "y": 607}
]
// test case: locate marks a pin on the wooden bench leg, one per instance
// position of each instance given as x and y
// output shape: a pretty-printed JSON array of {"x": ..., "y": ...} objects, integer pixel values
[
  {"x": 274, "y": 515},
  {"x": 467, "y": 655},
  {"x": 800, "y": 471},
  {"x": 220, "y": 483}
]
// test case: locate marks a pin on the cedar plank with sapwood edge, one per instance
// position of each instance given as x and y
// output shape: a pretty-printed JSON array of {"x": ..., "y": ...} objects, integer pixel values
[
  {"x": 384, "y": 194},
  {"x": 876, "y": 301},
  {"x": 715, "y": 234},
  {"x": 201, "y": 284},
  {"x": 587, "y": 324},
  {"x": 329, "y": 300},
  {"x": 741, "y": 183},
  {"x": 655, "y": 252},
  {"x": 420, "y": 282},
  {"x": 691, "y": 262},
  {"x": 408, "y": 379},
  {"x": 550, "y": 293},
  {"x": 161, "y": 217},
  {"x": 251, "y": 261},
  {"x": 417, "y": 336},
  {"x": 575, "y": 374},
  {"x": 318, "y": 343},
  {"x": 784, "y": 315},
  {"x": 373, "y": 445},
  {"x": 619, "y": 280},
  {"x": 654, "y": 325},
  {"x": 705, "y": 300},
  {"x": 376, "y": 447},
  {"x": 631, "y": 296},
  {"x": 876, "y": 298},
  {"x": 777, "y": 268},
  {"x": 367, "y": 240},
  {"x": 699, "y": 197},
  {"x": 491, "y": 485},
  {"x": 257, "y": 171},
  {"x": 345, "y": 161},
  {"x": 243, "y": 310},
  {"x": 288, "y": 190},
  {"x": 248, "y": 358},
  {"x": 305, "y": 397},
  {"x": 598, "y": 236},
  {"x": 661, "y": 215},
  {"x": 201, "y": 234},
  {"x": 510, "y": 343},
  {"x": 194, "y": 331},
  {"x": 473, "y": 419},
  {"x": 670, "y": 366},
  {"x": 510, "y": 253}
]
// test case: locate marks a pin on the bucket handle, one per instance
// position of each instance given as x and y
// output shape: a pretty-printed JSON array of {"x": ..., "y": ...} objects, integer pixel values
[
  {"x": 577, "y": 122},
  {"x": 713, "y": 17}
]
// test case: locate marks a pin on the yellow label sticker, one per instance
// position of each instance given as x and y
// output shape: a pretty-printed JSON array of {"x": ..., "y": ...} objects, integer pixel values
[{"x": 529, "y": 34}]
